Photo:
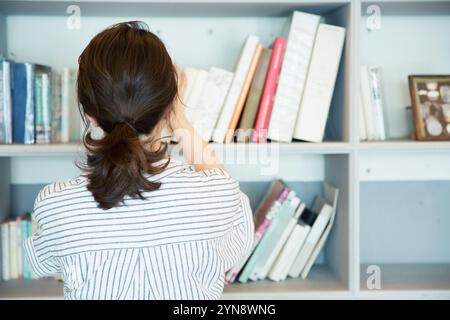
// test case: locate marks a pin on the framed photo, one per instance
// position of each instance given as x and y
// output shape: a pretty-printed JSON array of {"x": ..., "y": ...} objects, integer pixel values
[{"x": 430, "y": 98}]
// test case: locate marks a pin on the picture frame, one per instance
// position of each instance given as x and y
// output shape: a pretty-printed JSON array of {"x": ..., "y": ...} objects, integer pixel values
[{"x": 430, "y": 99}]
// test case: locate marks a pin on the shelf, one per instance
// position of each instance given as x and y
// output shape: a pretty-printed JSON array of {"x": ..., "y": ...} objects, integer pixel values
[
  {"x": 321, "y": 284},
  {"x": 239, "y": 148},
  {"x": 173, "y": 8},
  {"x": 404, "y": 145},
  {"x": 409, "y": 281}
]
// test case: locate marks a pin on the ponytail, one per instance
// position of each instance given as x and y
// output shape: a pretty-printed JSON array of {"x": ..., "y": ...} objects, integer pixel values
[{"x": 116, "y": 165}]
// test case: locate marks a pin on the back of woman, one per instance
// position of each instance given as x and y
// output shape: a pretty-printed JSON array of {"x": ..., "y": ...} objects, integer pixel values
[{"x": 137, "y": 224}]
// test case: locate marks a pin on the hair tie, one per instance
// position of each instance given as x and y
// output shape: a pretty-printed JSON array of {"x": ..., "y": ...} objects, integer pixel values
[{"x": 128, "y": 124}]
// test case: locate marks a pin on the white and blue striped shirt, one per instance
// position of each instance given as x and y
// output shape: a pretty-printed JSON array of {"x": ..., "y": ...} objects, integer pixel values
[{"x": 176, "y": 244}]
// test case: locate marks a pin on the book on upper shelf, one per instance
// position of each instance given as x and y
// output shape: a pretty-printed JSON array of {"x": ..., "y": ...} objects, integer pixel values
[{"x": 372, "y": 119}]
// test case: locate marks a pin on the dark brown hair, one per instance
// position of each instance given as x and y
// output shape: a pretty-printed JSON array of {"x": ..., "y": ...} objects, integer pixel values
[{"x": 127, "y": 83}]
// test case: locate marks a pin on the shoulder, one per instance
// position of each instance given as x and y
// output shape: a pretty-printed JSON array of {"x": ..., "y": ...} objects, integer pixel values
[{"x": 55, "y": 192}]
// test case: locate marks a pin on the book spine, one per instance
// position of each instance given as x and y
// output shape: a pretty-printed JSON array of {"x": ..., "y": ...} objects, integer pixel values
[
  {"x": 310, "y": 242},
  {"x": 70, "y": 117},
  {"x": 231, "y": 100},
  {"x": 319, "y": 87},
  {"x": 30, "y": 133},
  {"x": 13, "y": 259},
  {"x": 259, "y": 233},
  {"x": 46, "y": 108},
  {"x": 270, "y": 85},
  {"x": 293, "y": 76},
  {"x": 4, "y": 227},
  {"x": 375, "y": 86},
  {"x": 250, "y": 111},
  {"x": 56, "y": 108},
  {"x": 212, "y": 99},
  {"x": 38, "y": 103},
  {"x": 367, "y": 103},
  {"x": 19, "y": 94},
  {"x": 5, "y": 103},
  {"x": 243, "y": 96},
  {"x": 192, "y": 108}
]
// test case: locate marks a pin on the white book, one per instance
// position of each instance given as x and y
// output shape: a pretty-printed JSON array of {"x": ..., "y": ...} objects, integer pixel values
[
  {"x": 281, "y": 241},
  {"x": 70, "y": 115},
  {"x": 191, "y": 102},
  {"x": 191, "y": 74},
  {"x": 377, "y": 102},
  {"x": 13, "y": 257},
  {"x": 5, "y": 251},
  {"x": 291, "y": 82},
  {"x": 5, "y": 103},
  {"x": 19, "y": 250},
  {"x": 331, "y": 196},
  {"x": 290, "y": 250},
  {"x": 211, "y": 101},
  {"x": 367, "y": 103},
  {"x": 362, "y": 120},
  {"x": 319, "y": 87},
  {"x": 240, "y": 74},
  {"x": 314, "y": 235}
]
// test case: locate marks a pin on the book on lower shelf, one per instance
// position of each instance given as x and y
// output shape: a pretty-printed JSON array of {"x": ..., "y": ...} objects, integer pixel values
[{"x": 288, "y": 235}]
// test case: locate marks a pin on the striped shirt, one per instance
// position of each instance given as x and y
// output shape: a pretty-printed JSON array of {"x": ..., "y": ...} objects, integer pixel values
[{"x": 177, "y": 243}]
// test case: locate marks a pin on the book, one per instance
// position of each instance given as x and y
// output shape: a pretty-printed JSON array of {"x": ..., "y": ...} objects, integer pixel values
[
  {"x": 270, "y": 85},
  {"x": 247, "y": 264},
  {"x": 55, "y": 108},
  {"x": 243, "y": 96},
  {"x": 211, "y": 100},
  {"x": 324, "y": 212},
  {"x": 366, "y": 102},
  {"x": 285, "y": 230},
  {"x": 277, "y": 190},
  {"x": 320, "y": 83},
  {"x": 191, "y": 74},
  {"x": 331, "y": 197},
  {"x": 4, "y": 229},
  {"x": 273, "y": 192},
  {"x": 22, "y": 95},
  {"x": 272, "y": 235},
  {"x": 240, "y": 75},
  {"x": 250, "y": 111},
  {"x": 13, "y": 253},
  {"x": 374, "y": 74},
  {"x": 293, "y": 245},
  {"x": 300, "y": 41},
  {"x": 279, "y": 208},
  {"x": 42, "y": 104},
  {"x": 191, "y": 102},
  {"x": 5, "y": 102},
  {"x": 70, "y": 116}
]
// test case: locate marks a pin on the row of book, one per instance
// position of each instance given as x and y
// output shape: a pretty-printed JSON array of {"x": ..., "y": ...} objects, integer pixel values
[
  {"x": 280, "y": 93},
  {"x": 37, "y": 105},
  {"x": 371, "y": 115},
  {"x": 14, "y": 264},
  {"x": 288, "y": 236}
]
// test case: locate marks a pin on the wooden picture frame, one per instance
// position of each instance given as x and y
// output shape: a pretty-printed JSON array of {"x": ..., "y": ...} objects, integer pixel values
[{"x": 430, "y": 99}]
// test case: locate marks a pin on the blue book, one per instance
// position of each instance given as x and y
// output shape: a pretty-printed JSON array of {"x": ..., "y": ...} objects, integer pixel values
[{"x": 23, "y": 100}]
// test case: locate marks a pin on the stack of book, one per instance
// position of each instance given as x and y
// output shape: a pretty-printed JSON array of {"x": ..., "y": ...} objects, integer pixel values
[
  {"x": 14, "y": 264},
  {"x": 37, "y": 105},
  {"x": 371, "y": 113},
  {"x": 281, "y": 93},
  {"x": 289, "y": 236}
]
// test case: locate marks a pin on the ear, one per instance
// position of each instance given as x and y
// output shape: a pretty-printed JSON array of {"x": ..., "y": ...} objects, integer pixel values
[{"x": 92, "y": 121}]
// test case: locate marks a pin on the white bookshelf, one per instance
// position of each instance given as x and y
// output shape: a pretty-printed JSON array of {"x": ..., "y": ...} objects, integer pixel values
[{"x": 371, "y": 176}]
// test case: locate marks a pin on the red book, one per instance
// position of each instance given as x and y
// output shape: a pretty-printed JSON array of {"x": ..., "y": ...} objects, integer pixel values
[{"x": 270, "y": 86}]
